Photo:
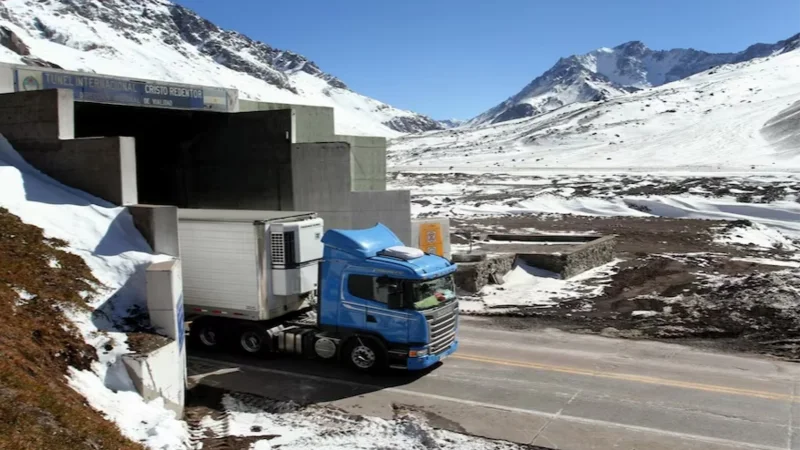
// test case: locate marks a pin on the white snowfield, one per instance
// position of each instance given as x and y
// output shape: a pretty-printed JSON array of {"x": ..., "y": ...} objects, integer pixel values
[
  {"x": 737, "y": 117},
  {"x": 94, "y": 46}
]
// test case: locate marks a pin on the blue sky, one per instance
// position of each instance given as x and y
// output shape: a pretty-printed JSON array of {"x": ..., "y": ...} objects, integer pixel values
[{"x": 455, "y": 59}]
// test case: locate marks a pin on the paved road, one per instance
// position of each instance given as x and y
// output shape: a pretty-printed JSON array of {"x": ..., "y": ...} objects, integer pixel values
[{"x": 556, "y": 390}]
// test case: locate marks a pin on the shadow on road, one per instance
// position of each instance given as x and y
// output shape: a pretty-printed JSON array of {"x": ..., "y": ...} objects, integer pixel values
[{"x": 283, "y": 377}]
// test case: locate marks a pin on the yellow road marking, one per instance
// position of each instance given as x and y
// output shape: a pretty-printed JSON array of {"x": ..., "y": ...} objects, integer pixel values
[{"x": 630, "y": 377}]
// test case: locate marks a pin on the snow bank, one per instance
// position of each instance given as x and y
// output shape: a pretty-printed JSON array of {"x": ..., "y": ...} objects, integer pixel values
[
  {"x": 529, "y": 286},
  {"x": 756, "y": 235},
  {"x": 105, "y": 237}
]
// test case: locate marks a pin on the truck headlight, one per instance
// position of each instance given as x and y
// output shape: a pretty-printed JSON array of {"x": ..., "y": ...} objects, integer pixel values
[{"x": 418, "y": 353}]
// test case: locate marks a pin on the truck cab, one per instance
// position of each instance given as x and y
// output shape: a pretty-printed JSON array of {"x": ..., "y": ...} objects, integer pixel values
[{"x": 389, "y": 304}]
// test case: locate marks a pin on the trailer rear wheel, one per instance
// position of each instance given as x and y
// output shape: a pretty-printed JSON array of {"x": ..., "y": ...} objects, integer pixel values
[
  {"x": 365, "y": 354},
  {"x": 252, "y": 340},
  {"x": 206, "y": 333}
]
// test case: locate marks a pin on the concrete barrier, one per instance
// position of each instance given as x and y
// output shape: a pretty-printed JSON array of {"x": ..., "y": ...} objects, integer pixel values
[
  {"x": 159, "y": 373},
  {"x": 162, "y": 372}
]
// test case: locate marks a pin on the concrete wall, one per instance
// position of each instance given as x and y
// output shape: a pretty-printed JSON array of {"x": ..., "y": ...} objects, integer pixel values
[
  {"x": 104, "y": 167},
  {"x": 159, "y": 226},
  {"x": 40, "y": 126},
  {"x": 321, "y": 182},
  {"x": 472, "y": 277},
  {"x": 30, "y": 118},
  {"x": 367, "y": 162},
  {"x": 314, "y": 123}
]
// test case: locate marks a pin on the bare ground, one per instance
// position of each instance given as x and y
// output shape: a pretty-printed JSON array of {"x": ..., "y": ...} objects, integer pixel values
[
  {"x": 38, "y": 410},
  {"x": 675, "y": 283}
]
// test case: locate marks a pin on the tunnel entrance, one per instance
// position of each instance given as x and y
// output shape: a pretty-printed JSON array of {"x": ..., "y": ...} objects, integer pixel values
[
  {"x": 201, "y": 159},
  {"x": 163, "y": 137}
]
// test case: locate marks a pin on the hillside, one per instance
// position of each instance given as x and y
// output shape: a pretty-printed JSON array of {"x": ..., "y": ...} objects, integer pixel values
[
  {"x": 157, "y": 39},
  {"x": 606, "y": 73},
  {"x": 73, "y": 274},
  {"x": 740, "y": 116}
]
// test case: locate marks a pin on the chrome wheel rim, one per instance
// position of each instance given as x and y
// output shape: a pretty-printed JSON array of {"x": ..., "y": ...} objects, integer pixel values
[{"x": 363, "y": 357}]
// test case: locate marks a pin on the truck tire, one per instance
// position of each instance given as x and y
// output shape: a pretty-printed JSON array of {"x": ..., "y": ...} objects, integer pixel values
[
  {"x": 206, "y": 334},
  {"x": 365, "y": 354},
  {"x": 252, "y": 340}
]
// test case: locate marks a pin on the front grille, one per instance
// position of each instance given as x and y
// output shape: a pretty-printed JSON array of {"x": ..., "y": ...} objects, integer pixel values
[{"x": 442, "y": 327}]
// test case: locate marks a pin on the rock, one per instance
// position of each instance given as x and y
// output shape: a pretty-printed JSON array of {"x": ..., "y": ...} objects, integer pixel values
[
  {"x": 11, "y": 41},
  {"x": 610, "y": 332}
]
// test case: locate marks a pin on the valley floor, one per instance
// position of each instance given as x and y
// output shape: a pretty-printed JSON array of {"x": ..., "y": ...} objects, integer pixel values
[{"x": 709, "y": 259}]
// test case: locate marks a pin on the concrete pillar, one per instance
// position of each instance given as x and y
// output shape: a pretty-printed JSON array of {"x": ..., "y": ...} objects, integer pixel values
[
  {"x": 165, "y": 306},
  {"x": 159, "y": 226},
  {"x": 165, "y": 298}
]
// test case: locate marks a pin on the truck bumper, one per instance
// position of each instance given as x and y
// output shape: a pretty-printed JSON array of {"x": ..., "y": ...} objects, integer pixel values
[{"x": 426, "y": 361}]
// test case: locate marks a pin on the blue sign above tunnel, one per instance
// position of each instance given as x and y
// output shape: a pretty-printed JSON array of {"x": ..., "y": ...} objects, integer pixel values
[{"x": 104, "y": 89}]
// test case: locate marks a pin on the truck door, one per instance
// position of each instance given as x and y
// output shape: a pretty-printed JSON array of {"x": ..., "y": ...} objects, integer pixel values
[
  {"x": 392, "y": 324},
  {"x": 367, "y": 300}
]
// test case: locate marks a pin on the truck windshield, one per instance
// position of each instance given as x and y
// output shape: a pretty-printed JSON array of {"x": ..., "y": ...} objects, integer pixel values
[{"x": 432, "y": 293}]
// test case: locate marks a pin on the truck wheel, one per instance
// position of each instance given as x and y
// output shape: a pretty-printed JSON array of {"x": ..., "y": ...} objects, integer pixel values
[
  {"x": 205, "y": 334},
  {"x": 252, "y": 340},
  {"x": 365, "y": 355}
]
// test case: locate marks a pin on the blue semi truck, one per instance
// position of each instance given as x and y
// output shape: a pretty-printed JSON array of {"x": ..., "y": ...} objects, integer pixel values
[{"x": 274, "y": 282}]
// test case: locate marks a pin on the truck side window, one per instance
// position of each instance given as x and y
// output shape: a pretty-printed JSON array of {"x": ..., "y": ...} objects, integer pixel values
[
  {"x": 370, "y": 288},
  {"x": 362, "y": 286}
]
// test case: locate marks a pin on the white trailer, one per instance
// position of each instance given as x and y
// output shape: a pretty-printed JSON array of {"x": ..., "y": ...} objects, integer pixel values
[{"x": 247, "y": 265}]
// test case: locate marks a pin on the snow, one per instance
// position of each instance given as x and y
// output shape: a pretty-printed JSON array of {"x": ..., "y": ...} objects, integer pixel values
[
  {"x": 769, "y": 262},
  {"x": 781, "y": 215},
  {"x": 292, "y": 427},
  {"x": 718, "y": 125},
  {"x": 105, "y": 237},
  {"x": 529, "y": 286},
  {"x": 94, "y": 46},
  {"x": 756, "y": 235}
]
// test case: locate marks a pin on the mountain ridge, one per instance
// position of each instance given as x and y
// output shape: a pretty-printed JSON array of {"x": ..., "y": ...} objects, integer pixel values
[{"x": 606, "y": 73}]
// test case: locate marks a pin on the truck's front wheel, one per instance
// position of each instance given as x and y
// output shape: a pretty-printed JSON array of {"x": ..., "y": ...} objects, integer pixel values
[{"x": 365, "y": 355}]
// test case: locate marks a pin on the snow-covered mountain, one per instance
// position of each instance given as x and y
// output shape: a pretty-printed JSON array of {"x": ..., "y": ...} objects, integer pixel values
[
  {"x": 735, "y": 116},
  {"x": 157, "y": 39},
  {"x": 452, "y": 123},
  {"x": 610, "y": 72}
]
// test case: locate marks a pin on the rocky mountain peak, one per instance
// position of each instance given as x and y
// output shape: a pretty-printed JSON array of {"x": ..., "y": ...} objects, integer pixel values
[
  {"x": 608, "y": 72},
  {"x": 632, "y": 48}
]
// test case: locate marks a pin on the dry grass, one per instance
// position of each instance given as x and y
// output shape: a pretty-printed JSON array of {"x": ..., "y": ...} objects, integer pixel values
[{"x": 38, "y": 410}]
